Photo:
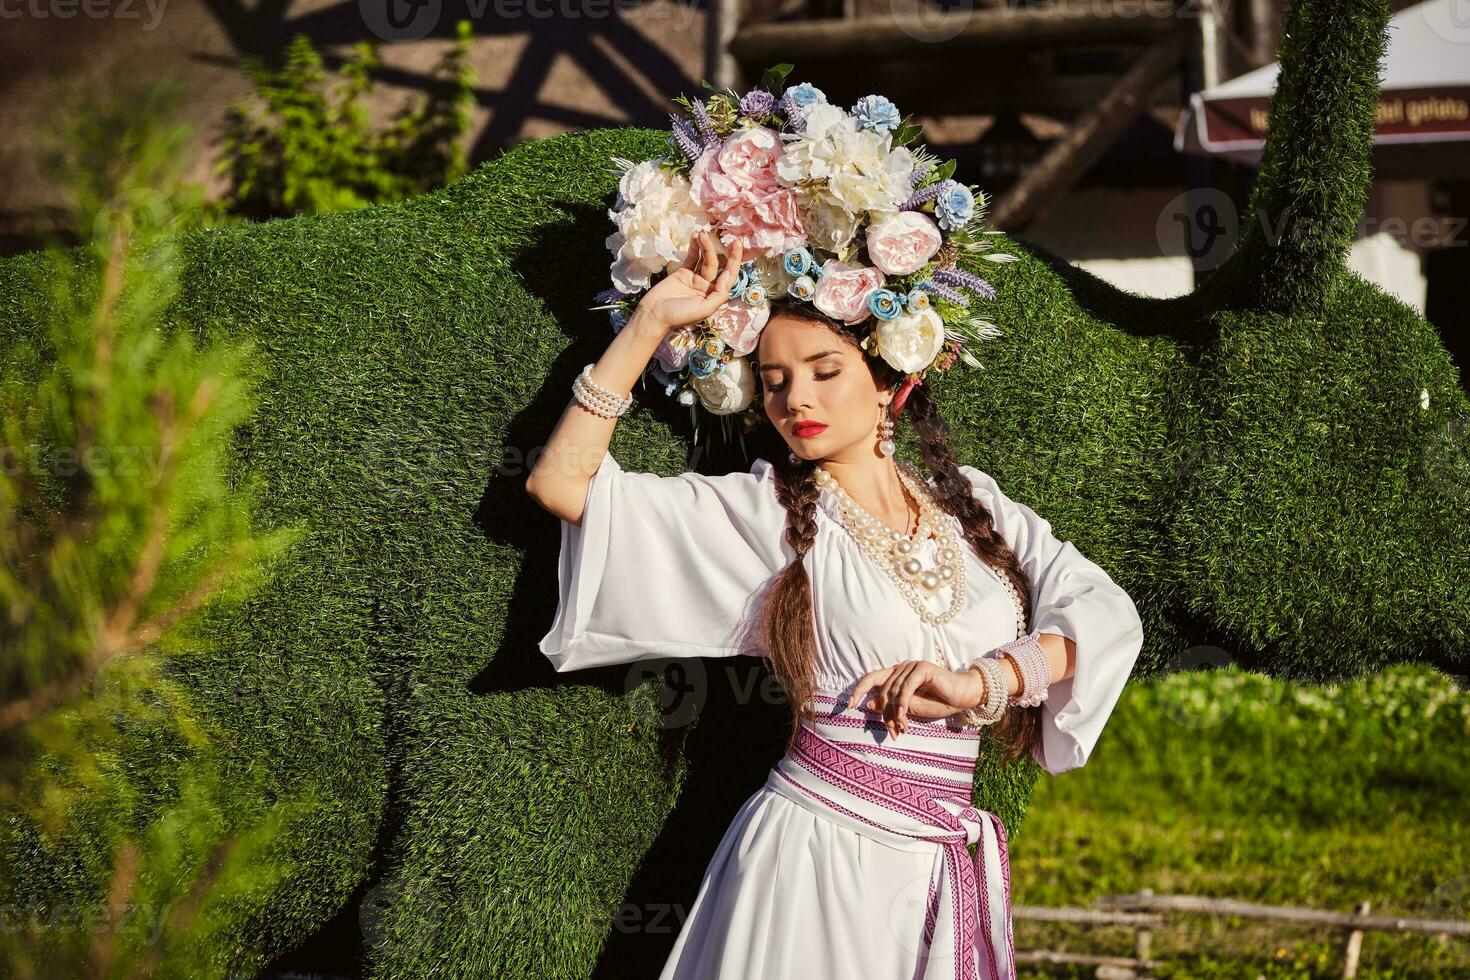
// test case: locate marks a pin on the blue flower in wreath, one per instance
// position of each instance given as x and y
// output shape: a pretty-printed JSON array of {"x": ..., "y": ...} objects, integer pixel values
[
  {"x": 955, "y": 206},
  {"x": 705, "y": 362},
  {"x": 876, "y": 113},
  {"x": 803, "y": 95},
  {"x": 803, "y": 288},
  {"x": 884, "y": 304},
  {"x": 744, "y": 280},
  {"x": 797, "y": 262}
]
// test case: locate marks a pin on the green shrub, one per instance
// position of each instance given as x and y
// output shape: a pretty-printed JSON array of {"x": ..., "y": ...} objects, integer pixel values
[{"x": 314, "y": 151}]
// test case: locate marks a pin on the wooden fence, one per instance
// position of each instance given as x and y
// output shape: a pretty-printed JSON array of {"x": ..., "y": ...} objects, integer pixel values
[{"x": 1145, "y": 912}]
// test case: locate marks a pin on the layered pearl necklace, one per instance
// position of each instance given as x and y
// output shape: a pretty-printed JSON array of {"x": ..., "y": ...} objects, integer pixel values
[{"x": 898, "y": 553}]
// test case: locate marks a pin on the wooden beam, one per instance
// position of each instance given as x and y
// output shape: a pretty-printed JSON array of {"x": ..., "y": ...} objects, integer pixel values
[
  {"x": 1089, "y": 138},
  {"x": 763, "y": 11},
  {"x": 720, "y": 67},
  {"x": 916, "y": 36},
  {"x": 944, "y": 93}
]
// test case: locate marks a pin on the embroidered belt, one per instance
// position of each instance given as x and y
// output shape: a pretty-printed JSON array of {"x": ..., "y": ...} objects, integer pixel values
[{"x": 915, "y": 788}]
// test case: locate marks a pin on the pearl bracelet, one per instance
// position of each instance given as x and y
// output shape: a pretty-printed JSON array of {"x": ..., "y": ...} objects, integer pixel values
[
  {"x": 992, "y": 709},
  {"x": 1032, "y": 666},
  {"x": 598, "y": 399}
]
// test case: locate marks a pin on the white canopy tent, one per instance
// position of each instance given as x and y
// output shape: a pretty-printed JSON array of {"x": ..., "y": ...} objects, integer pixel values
[{"x": 1423, "y": 118}]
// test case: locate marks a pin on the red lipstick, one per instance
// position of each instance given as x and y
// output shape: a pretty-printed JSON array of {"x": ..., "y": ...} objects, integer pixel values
[{"x": 808, "y": 428}]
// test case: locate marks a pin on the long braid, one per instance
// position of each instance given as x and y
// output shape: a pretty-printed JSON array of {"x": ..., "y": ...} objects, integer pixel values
[
  {"x": 792, "y": 649},
  {"x": 1020, "y": 729}
]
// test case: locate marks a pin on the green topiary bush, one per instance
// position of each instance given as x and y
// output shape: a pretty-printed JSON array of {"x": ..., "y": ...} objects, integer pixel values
[{"x": 1274, "y": 467}]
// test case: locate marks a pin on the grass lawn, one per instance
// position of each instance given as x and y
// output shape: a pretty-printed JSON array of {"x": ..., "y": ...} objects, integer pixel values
[{"x": 1232, "y": 785}]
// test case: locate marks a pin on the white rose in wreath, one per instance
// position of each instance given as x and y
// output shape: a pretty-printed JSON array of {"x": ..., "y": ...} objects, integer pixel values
[
  {"x": 912, "y": 341},
  {"x": 729, "y": 390},
  {"x": 900, "y": 243},
  {"x": 655, "y": 218}
]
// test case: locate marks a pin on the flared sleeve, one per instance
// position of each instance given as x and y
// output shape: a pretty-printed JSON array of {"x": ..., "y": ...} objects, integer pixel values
[
  {"x": 1071, "y": 596},
  {"x": 665, "y": 566}
]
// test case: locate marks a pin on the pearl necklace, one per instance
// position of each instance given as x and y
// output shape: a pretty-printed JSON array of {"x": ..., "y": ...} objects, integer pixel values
[
  {"x": 893, "y": 551},
  {"x": 897, "y": 553}
]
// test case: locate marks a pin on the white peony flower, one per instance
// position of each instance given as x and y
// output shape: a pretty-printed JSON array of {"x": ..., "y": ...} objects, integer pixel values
[
  {"x": 861, "y": 168},
  {"x": 655, "y": 218},
  {"x": 770, "y": 273},
  {"x": 728, "y": 390},
  {"x": 900, "y": 242},
  {"x": 910, "y": 342},
  {"x": 829, "y": 225}
]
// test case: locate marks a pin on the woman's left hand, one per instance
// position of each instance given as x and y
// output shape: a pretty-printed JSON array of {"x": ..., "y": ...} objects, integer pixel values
[{"x": 918, "y": 689}]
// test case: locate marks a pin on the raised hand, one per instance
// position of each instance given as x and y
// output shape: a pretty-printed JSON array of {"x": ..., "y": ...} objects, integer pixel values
[{"x": 697, "y": 288}]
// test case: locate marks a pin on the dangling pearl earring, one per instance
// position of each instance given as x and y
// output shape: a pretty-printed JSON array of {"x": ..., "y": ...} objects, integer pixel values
[
  {"x": 791, "y": 456},
  {"x": 885, "y": 431}
]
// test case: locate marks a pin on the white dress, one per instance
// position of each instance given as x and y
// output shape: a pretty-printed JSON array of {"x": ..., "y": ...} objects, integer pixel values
[{"x": 671, "y": 566}]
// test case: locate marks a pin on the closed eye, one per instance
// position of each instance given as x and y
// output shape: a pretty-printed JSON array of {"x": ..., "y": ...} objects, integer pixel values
[{"x": 819, "y": 376}]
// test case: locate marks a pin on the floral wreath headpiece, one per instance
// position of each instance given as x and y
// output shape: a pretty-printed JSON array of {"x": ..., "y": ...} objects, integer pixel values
[{"x": 836, "y": 209}]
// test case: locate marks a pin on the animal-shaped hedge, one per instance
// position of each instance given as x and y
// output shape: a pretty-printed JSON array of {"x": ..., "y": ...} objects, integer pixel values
[{"x": 1274, "y": 467}]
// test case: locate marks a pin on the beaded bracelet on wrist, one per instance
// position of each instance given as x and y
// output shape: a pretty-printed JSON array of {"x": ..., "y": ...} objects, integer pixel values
[
  {"x": 992, "y": 709},
  {"x": 1032, "y": 667},
  {"x": 597, "y": 398}
]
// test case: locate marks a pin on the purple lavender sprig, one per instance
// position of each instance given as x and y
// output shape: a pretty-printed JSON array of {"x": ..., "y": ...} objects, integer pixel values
[
  {"x": 794, "y": 122},
  {"x": 959, "y": 277},
  {"x": 701, "y": 120},
  {"x": 611, "y": 295},
  {"x": 920, "y": 197},
  {"x": 924, "y": 166},
  {"x": 685, "y": 136},
  {"x": 944, "y": 291}
]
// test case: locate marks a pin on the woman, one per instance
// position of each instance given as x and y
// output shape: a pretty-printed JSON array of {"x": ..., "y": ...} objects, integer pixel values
[{"x": 851, "y": 859}]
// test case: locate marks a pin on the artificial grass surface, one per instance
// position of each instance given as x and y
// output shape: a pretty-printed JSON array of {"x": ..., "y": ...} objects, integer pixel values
[{"x": 1256, "y": 466}]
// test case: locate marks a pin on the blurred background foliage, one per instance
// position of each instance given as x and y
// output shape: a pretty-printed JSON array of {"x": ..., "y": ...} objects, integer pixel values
[
  {"x": 123, "y": 518},
  {"x": 300, "y": 146}
]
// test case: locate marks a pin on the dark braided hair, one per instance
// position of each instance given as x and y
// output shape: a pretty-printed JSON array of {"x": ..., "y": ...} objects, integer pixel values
[{"x": 786, "y": 614}]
